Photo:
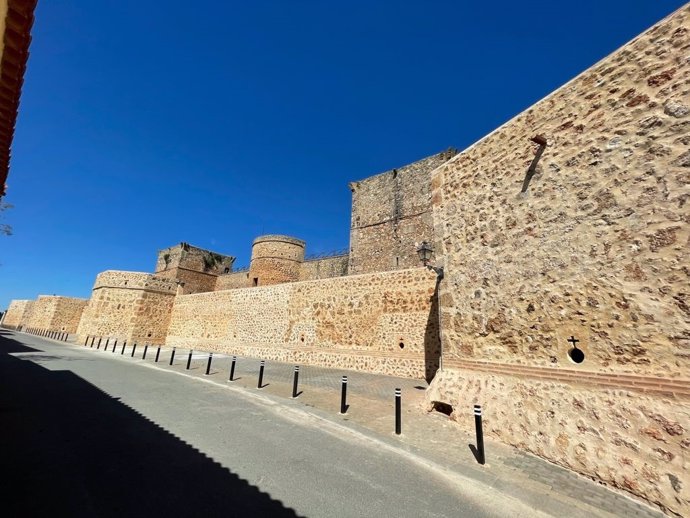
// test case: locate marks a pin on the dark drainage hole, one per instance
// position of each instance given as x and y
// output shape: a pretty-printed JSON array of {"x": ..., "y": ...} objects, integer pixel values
[
  {"x": 576, "y": 355},
  {"x": 443, "y": 408}
]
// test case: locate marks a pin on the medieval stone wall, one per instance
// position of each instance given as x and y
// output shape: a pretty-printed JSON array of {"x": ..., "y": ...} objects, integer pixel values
[
  {"x": 385, "y": 322},
  {"x": 186, "y": 256},
  {"x": 67, "y": 314},
  {"x": 390, "y": 213},
  {"x": 191, "y": 281},
  {"x": 15, "y": 313},
  {"x": 128, "y": 305},
  {"x": 55, "y": 313},
  {"x": 597, "y": 248},
  {"x": 275, "y": 259},
  {"x": 324, "y": 268},
  {"x": 232, "y": 280},
  {"x": 42, "y": 312}
]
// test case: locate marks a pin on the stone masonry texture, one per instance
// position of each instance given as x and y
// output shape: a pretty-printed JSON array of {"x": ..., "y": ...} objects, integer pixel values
[
  {"x": 195, "y": 268},
  {"x": 55, "y": 313},
  {"x": 384, "y": 322},
  {"x": 129, "y": 306},
  {"x": 390, "y": 213},
  {"x": 15, "y": 313},
  {"x": 597, "y": 248}
]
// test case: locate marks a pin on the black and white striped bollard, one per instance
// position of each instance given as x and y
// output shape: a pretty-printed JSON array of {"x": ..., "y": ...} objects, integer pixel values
[
  {"x": 208, "y": 365},
  {"x": 294, "y": 382},
  {"x": 189, "y": 359},
  {"x": 261, "y": 374},
  {"x": 398, "y": 411},
  {"x": 343, "y": 396},
  {"x": 158, "y": 353},
  {"x": 232, "y": 369},
  {"x": 146, "y": 348},
  {"x": 480, "y": 433},
  {"x": 134, "y": 348},
  {"x": 172, "y": 356}
]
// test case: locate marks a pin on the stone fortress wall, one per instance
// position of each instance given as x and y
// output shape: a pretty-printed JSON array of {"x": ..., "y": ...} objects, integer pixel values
[
  {"x": 596, "y": 248},
  {"x": 55, "y": 313},
  {"x": 391, "y": 212},
  {"x": 275, "y": 259},
  {"x": 384, "y": 322},
  {"x": 196, "y": 269},
  {"x": 14, "y": 316},
  {"x": 128, "y": 305},
  {"x": 324, "y": 268}
]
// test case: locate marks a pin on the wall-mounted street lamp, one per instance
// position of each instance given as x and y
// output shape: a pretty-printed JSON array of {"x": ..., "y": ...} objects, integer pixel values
[{"x": 425, "y": 252}]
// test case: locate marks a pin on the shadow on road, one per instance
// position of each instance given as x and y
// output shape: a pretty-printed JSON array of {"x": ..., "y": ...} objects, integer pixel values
[{"x": 69, "y": 449}]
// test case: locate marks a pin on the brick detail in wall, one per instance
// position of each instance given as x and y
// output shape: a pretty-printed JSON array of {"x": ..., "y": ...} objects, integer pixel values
[{"x": 647, "y": 384}]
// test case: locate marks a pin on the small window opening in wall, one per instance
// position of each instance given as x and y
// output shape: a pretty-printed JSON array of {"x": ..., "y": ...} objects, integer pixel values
[
  {"x": 576, "y": 355},
  {"x": 301, "y": 338},
  {"x": 401, "y": 345},
  {"x": 397, "y": 261},
  {"x": 227, "y": 270},
  {"x": 125, "y": 283},
  {"x": 148, "y": 335},
  {"x": 256, "y": 281},
  {"x": 442, "y": 408}
]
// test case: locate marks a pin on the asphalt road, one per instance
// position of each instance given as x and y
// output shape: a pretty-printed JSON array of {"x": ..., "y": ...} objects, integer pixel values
[{"x": 83, "y": 434}]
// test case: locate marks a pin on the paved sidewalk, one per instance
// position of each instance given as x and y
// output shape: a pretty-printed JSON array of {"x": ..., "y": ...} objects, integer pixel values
[{"x": 431, "y": 437}]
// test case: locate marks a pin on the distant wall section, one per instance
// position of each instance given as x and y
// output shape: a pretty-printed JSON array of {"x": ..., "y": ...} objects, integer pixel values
[
  {"x": 195, "y": 268},
  {"x": 324, "y": 268},
  {"x": 128, "y": 305},
  {"x": 15, "y": 313},
  {"x": 390, "y": 213},
  {"x": 383, "y": 322}
]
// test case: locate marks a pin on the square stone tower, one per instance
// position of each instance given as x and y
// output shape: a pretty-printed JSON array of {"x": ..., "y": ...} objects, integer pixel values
[{"x": 195, "y": 268}]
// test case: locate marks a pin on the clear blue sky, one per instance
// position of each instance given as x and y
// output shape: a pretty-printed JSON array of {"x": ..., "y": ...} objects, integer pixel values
[{"x": 145, "y": 123}]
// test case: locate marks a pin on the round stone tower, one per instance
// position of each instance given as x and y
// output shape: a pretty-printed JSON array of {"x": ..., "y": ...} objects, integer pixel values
[{"x": 275, "y": 259}]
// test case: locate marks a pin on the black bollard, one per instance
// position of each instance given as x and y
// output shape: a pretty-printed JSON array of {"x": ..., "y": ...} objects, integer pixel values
[
  {"x": 124, "y": 344},
  {"x": 115, "y": 345},
  {"x": 295, "y": 381},
  {"x": 261, "y": 374},
  {"x": 134, "y": 348},
  {"x": 107, "y": 341},
  {"x": 343, "y": 396},
  {"x": 208, "y": 365},
  {"x": 480, "y": 433},
  {"x": 93, "y": 339},
  {"x": 398, "y": 398},
  {"x": 158, "y": 353},
  {"x": 189, "y": 359},
  {"x": 232, "y": 368},
  {"x": 146, "y": 348},
  {"x": 172, "y": 356},
  {"x": 99, "y": 343}
]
